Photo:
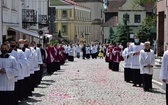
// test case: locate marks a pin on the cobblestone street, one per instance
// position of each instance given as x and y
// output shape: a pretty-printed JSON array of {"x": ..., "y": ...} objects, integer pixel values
[{"x": 90, "y": 82}]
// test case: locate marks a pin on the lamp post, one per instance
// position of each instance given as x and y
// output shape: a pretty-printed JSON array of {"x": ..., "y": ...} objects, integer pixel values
[{"x": 126, "y": 21}]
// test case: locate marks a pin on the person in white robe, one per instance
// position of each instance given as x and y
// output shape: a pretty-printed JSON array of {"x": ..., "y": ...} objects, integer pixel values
[
  {"x": 147, "y": 61},
  {"x": 164, "y": 73},
  {"x": 8, "y": 68},
  {"x": 127, "y": 64},
  {"x": 93, "y": 49},
  {"x": 71, "y": 53},
  {"x": 37, "y": 60},
  {"x": 134, "y": 50},
  {"x": 78, "y": 50},
  {"x": 22, "y": 61},
  {"x": 88, "y": 51}
]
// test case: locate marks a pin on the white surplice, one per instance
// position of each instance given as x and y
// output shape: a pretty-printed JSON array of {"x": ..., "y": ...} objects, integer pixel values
[
  {"x": 37, "y": 59},
  {"x": 135, "y": 58},
  {"x": 93, "y": 49},
  {"x": 7, "y": 80},
  {"x": 127, "y": 58},
  {"x": 87, "y": 49},
  {"x": 71, "y": 51},
  {"x": 146, "y": 58},
  {"x": 29, "y": 57},
  {"x": 164, "y": 67}
]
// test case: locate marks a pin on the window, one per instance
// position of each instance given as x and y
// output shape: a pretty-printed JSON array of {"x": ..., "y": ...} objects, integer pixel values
[
  {"x": 64, "y": 28},
  {"x": 64, "y": 13},
  {"x": 137, "y": 19}
]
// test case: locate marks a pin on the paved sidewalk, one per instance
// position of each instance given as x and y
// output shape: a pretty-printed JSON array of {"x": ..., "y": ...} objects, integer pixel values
[{"x": 90, "y": 82}]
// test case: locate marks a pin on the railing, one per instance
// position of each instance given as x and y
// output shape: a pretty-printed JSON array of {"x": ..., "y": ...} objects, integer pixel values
[
  {"x": 29, "y": 16},
  {"x": 42, "y": 19}
]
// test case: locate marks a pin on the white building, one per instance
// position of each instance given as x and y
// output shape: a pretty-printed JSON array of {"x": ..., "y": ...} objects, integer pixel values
[{"x": 23, "y": 18}]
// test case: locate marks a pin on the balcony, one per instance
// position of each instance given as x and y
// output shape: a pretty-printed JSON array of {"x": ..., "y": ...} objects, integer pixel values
[
  {"x": 29, "y": 16},
  {"x": 43, "y": 19}
]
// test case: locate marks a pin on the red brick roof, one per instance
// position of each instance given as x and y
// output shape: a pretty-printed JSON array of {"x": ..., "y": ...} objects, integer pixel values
[
  {"x": 111, "y": 22},
  {"x": 114, "y": 5},
  {"x": 75, "y": 3}
]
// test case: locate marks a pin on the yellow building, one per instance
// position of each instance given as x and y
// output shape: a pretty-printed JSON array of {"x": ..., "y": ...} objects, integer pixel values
[{"x": 73, "y": 20}]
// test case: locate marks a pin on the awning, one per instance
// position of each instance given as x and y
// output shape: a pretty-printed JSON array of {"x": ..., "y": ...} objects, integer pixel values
[
  {"x": 24, "y": 31},
  {"x": 48, "y": 36}
]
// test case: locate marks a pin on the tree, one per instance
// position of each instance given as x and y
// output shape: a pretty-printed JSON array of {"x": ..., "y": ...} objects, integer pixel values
[
  {"x": 59, "y": 34},
  {"x": 111, "y": 35},
  {"x": 121, "y": 35}
]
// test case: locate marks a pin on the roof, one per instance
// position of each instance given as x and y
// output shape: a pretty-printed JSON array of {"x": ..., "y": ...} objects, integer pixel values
[
  {"x": 111, "y": 22},
  {"x": 114, "y": 5},
  {"x": 149, "y": 6},
  {"x": 75, "y": 3}
]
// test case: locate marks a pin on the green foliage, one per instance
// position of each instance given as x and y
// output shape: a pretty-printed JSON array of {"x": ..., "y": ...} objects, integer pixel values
[
  {"x": 121, "y": 35},
  {"x": 144, "y": 31},
  {"x": 54, "y": 41},
  {"x": 111, "y": 36}
]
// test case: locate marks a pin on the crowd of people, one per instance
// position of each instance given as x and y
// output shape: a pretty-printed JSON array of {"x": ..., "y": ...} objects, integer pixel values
[
  {"x": 139, "y": 62},
  {"x": 22, "y": 64}
]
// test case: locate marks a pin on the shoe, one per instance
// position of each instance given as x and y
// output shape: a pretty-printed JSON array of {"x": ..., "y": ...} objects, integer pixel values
[{"x": 134, "y": 85}]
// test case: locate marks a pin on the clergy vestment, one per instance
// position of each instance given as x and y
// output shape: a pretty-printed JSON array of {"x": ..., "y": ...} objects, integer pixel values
[
  {"x": 71, "y": 54},
  {"x": 23, "y": 65},
  {"x": 50, "y": 57},
  {"x": 93, "y": 51},
  {"x": 57, "y": 58},
  {"x": 7, "y": 80},
  {"x": 147, "y": 57},
  {"x": 116, "y": 58},
  {"x": 88, "y": 52},
  {"x": 135, "y": 65},
  {"x": 27, "y": 82},
  {"x": 110, "y": 56},
  {"x": 63, "y": 55},
  {"x": 164, "y": 72},
  {"x": 127, "y": 63},
  {"x": 78, "y": 50},
  {"x": 37, "y": 60}
]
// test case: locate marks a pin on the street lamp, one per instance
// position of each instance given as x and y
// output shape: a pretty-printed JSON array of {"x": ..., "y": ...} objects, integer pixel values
[{"x": 126, "y": 21}]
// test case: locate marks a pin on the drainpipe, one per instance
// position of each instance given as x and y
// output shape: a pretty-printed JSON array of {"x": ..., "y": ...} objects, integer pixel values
[{"x": 1, "y": 24}]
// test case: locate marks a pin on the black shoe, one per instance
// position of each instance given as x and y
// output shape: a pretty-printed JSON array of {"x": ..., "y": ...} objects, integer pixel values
[{"x": 134, "y": 85}]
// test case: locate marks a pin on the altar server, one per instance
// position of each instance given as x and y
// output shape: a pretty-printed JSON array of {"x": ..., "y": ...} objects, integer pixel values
[
  {"x": 164, "y": 72},
  {"x": 37, "y": 60},
  {"x": 57, "y": 58},
  {"x": 8, "y": 68},
  {"x": 29, "y": 57},
  {"x": 78, "y": 51},
  {"x": 88, "y": 51},
  {"x": 93, "y": 49},
  {"x": 147, "y": 61},
  {"x": 109, "y": 56},
  {"x": 71, "y": 53},
  {"x": 135, "y": 49},
  {"x": 22, "y": 61},
  {"x": 50, "y": 57},
  {"x": 117, "y": 52},
  {"x": 127, "y": 63}
]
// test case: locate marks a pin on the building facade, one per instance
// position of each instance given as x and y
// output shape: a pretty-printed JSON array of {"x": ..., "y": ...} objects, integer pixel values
[
  {"x": 162, "y": 24},
  {"x": 116, "y": 11},
  {"x": 97, "y": 17},
  {"x": 72, "y": 20},
  {"x": 23, "y": 19}
]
